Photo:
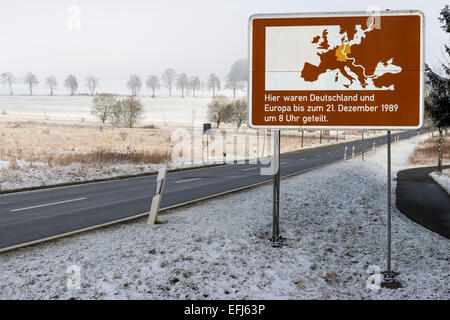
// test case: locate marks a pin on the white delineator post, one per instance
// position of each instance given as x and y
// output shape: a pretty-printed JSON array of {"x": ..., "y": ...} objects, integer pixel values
[{"x": 160, "y": 181}]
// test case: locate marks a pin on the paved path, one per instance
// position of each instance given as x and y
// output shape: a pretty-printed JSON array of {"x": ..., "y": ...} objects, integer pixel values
[
  {"x": 35, "y": 215},
  {"x": 422, "y": 200}
]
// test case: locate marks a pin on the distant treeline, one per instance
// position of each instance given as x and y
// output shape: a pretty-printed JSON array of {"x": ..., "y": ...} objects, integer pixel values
[{"x": 236, "y": 80}]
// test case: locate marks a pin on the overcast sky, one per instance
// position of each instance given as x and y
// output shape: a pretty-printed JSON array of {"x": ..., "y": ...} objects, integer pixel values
[{"x": 116, "y": 38}]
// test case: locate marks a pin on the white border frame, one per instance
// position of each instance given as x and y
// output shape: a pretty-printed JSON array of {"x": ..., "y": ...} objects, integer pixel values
[{"x": 333, "y": 15}]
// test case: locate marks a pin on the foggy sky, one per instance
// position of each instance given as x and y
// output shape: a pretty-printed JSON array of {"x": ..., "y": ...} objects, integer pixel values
[{"x": 117, "y": 38}]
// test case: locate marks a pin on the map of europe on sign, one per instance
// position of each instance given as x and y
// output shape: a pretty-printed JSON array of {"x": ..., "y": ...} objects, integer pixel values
[
  {"x": 326, "y": 58},
  {"x": 336, "y": 70}
]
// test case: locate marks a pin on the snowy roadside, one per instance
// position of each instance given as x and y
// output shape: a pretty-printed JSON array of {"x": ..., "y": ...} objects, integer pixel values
[
  {"x": 399, "y": 154},
  {"x": 18, "y": 174},
  {"x": 442, "y": 179},
  {"x": 218, "y": 249},
  {"x": 40, "y": 174}
]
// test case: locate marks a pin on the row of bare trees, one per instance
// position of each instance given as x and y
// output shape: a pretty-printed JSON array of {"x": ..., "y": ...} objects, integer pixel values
[
  {"x": 171, "y": 79},
  {"x": 119, "y": 112},
  {"x": 129, "y": 110},
  {"x": 236, "y": 80},
  {"x": 224, "y": 110},
  {"x": 30, "y": 79}
]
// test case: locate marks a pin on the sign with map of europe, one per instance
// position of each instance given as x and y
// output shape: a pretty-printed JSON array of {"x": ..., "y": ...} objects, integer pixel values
[{"x": 336, "y": 70}]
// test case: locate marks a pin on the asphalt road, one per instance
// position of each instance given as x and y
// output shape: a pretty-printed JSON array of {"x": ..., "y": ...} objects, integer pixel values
[
  {"x": 32, "y": 215},
  {"x": 422, "y": 200}
]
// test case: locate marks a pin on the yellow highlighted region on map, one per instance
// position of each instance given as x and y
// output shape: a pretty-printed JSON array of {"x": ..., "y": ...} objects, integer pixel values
[{"x": 342, "y": 51}]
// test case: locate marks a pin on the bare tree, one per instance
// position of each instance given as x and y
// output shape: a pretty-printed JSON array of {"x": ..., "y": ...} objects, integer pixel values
[
  {"x": 219, "y": 110},
  {"x": 31, "y": 80},
  {"x": 51, "y": 83},
  {"x": 202, "y": 87},
  {"x": 168, "y": 77},
  {"x": 233, "y": 85},
  {"x": 8, "y": 79},
  {"x": 133, "y": 111},
  {"x": 102, "y": 106},
  {"x": 134, "y": 84},
  {"x": 92, "y": 84},
  {"x": 237, "y": 75},
  {"x": 182, "y": 82},
  {"x": 213, "y": 83},
  {"x": 71, "y": 84},
  {"x": 116, "y": 114},
  {"x": 153, "y": 83},
  {"x": 239, "y": 112},
  {"x": 194, "y": 84}
]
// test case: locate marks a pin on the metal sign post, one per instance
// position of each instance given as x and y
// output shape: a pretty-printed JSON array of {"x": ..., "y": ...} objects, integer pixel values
[
  {"x": 206, "y": 128},
  {"x": 276, "y": 239},
  {"x": 160, "y": 181},
  {"x": 207, "y": 149},
  {"x": 388, "y": 222},
  {"x": 362, "y": 138}
]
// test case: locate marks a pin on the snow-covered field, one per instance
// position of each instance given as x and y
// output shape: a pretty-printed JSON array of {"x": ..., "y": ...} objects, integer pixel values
[
  {"x": 218, "y": 249},
  {"x": 159, "y": 109},
  {"x": 40, "y": 174}
]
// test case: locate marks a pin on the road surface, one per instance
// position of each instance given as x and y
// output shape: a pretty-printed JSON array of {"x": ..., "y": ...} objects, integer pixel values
[
  {"x": 422, "y": 200},
  {"x": 27, "y": 217}
]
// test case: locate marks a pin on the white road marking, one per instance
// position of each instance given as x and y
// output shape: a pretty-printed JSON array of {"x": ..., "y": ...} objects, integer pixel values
[
  {"x": 47, "y": 204},
  {"x": 248, "y": 169},
  {"x": 187, "y": 180}
]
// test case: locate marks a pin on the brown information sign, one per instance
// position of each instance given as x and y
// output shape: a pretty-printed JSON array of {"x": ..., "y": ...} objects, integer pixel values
[{"x": 338, "y": 70}]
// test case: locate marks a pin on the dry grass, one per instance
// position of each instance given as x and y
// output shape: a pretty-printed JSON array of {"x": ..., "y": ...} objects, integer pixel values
[
  {"x": 110, "y": 157},
  {"x": 13, "y": 164},
  {"x": 60, "y": 142},
  {"x": 427, "y": 152}
]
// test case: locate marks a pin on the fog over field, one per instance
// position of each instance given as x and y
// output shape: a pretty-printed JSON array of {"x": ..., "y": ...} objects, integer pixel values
[
  {"x": 163, "y": 109},
  {"x": 112, "y": 40}
]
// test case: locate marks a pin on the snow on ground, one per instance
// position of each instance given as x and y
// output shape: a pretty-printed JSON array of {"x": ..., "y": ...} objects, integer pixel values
[
  {"x": 76, "y": 107},
  {"x": 40, "y": 174},
  {"x": 218, "y": 249},
  {"x": 442, "y": 179},
  {"x": 399, "y": 154},
  {"x": 24, "y": 174}
]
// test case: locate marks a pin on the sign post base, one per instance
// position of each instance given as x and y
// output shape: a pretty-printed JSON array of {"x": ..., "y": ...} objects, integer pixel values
[
  {"x": 278, "y": 241},
  {"x": 390, "y": 281}
]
